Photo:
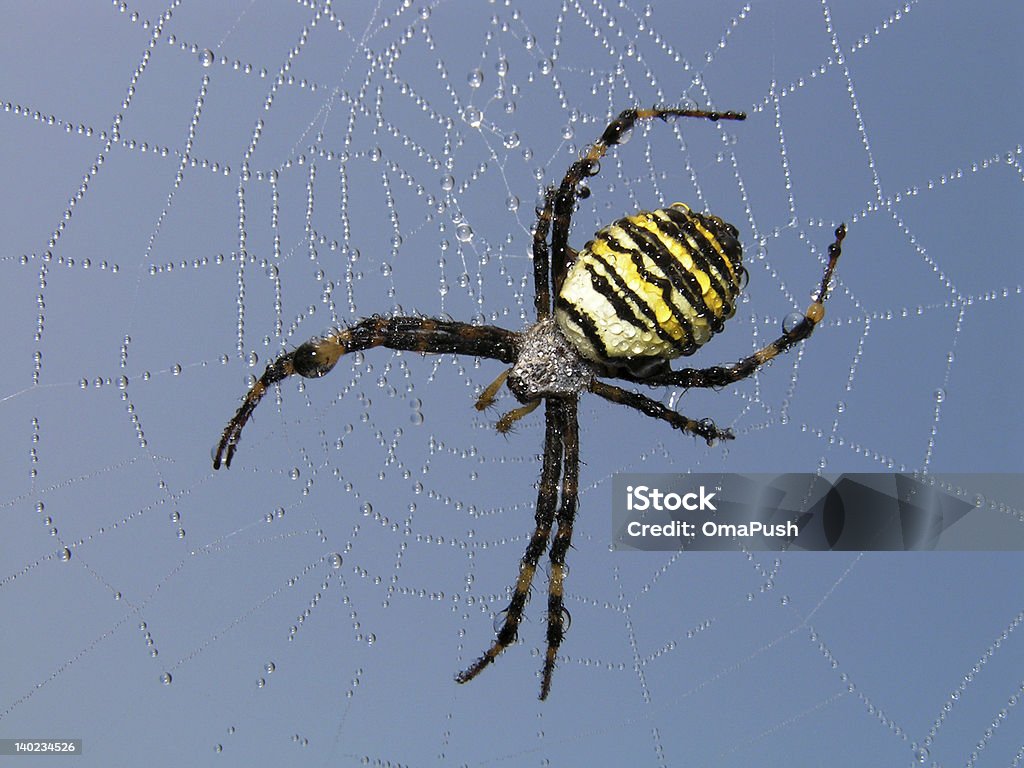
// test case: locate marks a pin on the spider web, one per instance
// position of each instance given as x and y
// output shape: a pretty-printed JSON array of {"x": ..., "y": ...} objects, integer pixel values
[{"x": 189, "y": 190}]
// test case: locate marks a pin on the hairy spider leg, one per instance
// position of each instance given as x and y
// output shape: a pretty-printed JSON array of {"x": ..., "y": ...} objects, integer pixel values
[
  {"x": 541, "y": 257},
  {"x": 504, "y": 425},
  {"x": 415, "y": 334},
  {"x": 547, "y": 499},
  {"x": 704, "y": 428},
  {"x": 567, "y": 415},
  {"x": 720, "y": 376},
  {"x": 490, "y": 394}
]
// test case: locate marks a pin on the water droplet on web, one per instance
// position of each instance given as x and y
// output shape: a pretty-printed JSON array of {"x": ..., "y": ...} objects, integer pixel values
[
  {"x": 206, "y": 57},
  {"x": 464, "y": 233},
  {"x": 475, "y": 78}
]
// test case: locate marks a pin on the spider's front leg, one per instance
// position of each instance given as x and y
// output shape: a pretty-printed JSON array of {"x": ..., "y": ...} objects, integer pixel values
[
  {"x": 558, "y": 616},
  {"x": 318, "y": 356},
  {"x": 547, "y": 499}
]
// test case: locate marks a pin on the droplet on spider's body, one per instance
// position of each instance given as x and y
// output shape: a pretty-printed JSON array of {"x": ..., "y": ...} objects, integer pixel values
[
  {"x": 310, "y": 362},
  {"x": 791, "y": 321}
]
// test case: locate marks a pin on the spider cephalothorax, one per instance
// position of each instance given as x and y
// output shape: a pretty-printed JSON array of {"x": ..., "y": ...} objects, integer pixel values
[{"x": 647, "y": 289}]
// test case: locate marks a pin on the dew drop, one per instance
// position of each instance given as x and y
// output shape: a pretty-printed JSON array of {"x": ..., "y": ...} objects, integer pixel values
[
  {"x": 791, "y": 321},
  {"x": 499, "y": 620}
]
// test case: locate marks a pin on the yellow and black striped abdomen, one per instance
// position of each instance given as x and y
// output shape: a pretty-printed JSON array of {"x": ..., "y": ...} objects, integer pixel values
[{"x": 657, "y": 284}]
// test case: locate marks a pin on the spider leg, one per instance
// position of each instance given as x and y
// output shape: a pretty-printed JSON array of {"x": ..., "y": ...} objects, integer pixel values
[
  {"x": 557, "y": 614},
  {"x": 564, "y": 199},
  {"x": 316, "y": 357},
  {"x": 704, "y": 428},
  {"x": 505, "y": 423},
  {"x": 720, "y": 376},
  {"x": 547, "y": 498},
  {"x": 489, "y": 395},
  {"x": 541, "y": 257},
  {"x": 280, "y": 369}
]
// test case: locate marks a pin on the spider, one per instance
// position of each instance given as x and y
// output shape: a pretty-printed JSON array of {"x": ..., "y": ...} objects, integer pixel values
[{"x": 647, "y": 289}]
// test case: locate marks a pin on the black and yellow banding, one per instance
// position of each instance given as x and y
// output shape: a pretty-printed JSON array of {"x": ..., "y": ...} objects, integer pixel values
[
  {"x": 560, "y": 202},
  {"x": 657, "y": 284}
]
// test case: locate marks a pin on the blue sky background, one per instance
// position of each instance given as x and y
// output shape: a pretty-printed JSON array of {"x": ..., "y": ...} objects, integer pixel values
[{"x": 320, "y": 141}]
